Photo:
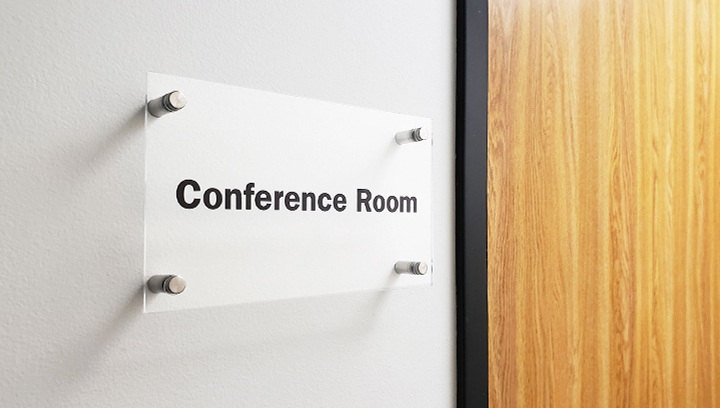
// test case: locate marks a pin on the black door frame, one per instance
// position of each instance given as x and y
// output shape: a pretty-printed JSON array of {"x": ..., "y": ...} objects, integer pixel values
[{"x": 471, "y": 203}]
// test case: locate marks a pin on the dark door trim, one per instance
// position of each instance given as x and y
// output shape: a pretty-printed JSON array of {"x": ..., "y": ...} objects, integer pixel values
[{"x": 471, "y": 203}]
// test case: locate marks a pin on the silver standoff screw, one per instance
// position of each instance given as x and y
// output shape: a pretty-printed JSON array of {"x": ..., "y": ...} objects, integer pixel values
[
  {"x": 412, "y": 135},
  {"x": 412, "y": 268},
  {"x": 170, "y": 284},
  {"x": 168, "y": 103}
]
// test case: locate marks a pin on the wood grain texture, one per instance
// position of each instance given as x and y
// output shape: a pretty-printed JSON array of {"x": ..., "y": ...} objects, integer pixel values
[{"x": 604, "y": 203}]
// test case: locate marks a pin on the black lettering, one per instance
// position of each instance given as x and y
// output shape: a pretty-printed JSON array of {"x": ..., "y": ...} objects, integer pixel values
[
  {"x": 260, "y": 199},
  {"x": 180, "y": 194},
  {"x": 379, "y": 207},
  {"x": 278, "y": 196},
  {"x": 213, "y": 198},
  {"x": 324, "y": 196},
  {"x": 363, "y": 200},
  {"x": 228, "y": 199},
  {"x": 218, "y": 198},
  {"x": 248, "y": 195},
  {"x": 392, "y": 204},
  {"x": 340, "y": 202},
  {"x": 405, "y": 204},
  {"x": 292, "y": 198},
  {"x": 305, "y": 197}
]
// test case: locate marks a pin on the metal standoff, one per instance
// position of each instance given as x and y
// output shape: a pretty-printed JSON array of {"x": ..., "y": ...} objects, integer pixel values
[
  {"x": 412, "y": 135},
  {"x": 168, "y": 103},
  {"x": 413, "y": 268},
  {"x": 171, "y": 284}
]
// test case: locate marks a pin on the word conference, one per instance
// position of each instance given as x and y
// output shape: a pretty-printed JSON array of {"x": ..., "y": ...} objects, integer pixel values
[{"x": 190, "y": 195}]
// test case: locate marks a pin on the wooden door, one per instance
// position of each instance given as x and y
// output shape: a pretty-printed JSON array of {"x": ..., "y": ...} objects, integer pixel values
[{"x": 604, "y": 203}]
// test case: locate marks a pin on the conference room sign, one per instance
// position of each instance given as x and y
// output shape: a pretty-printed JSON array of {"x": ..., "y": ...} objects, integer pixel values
[{"x": 253, "y": 196}]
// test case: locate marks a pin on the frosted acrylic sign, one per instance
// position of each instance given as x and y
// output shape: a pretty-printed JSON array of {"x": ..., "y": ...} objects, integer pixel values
[{"x": 253, "y": 196}]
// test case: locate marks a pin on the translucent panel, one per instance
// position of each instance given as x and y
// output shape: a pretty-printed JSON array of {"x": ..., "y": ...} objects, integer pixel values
[{"x": 253, "y": 196}]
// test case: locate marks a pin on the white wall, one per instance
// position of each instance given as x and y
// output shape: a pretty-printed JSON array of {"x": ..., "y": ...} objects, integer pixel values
[{"x": 72, "y": 85}]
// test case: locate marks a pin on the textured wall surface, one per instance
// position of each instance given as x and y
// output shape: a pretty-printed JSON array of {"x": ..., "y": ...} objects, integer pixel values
[{"x": 71, "y": 227}]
